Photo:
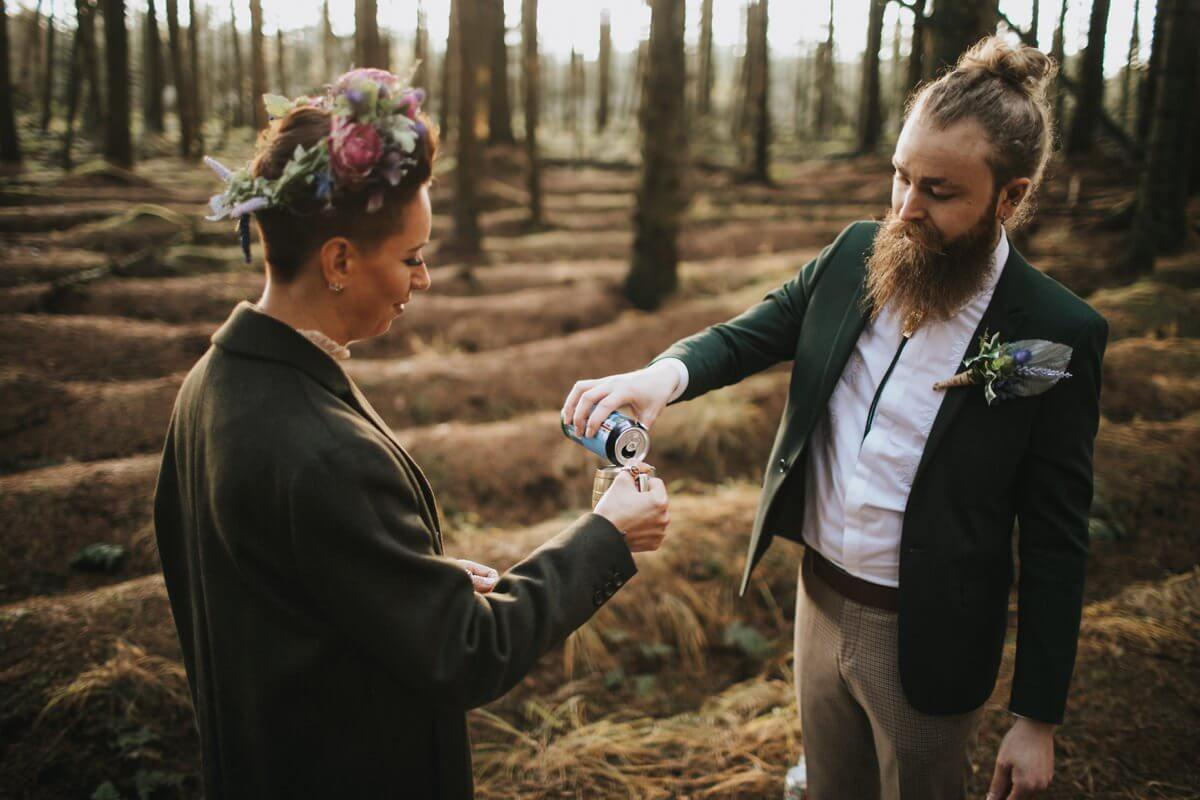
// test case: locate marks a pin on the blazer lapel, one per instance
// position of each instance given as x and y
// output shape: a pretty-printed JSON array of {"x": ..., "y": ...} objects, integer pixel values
[
  {"x": 1004, "y": 314},
  {"x": 854, "y": 320}
]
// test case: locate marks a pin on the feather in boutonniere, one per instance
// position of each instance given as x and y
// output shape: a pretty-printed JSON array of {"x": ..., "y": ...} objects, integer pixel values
[{"x": 1015, "y": 369}]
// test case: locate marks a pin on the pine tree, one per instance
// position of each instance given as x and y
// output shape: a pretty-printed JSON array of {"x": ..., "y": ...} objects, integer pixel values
[
  {"x": 531, "y": 88},
  {"x": 958, "y": 24},
  {"x": 916, "y": 53},
  {"x": 870, "y": 112},
  {"x": 193, "y": 81},
  {"x": 118, "y": 143},
  {"x": 239, "y": 73},
  {"x": 468, "y": 238},
  {"x": 152, "y": 67},
  {"x": 183, "y": 95},
  {"x": 328, "y": 44},
  {"x": 826, "y": 81},
  {"x": 10, "y": 143},
  {"x": 604, "y": 67},
  {"x": 499, "y": 112},
  {"x": 281, "y": 71},
  {"x": 706, "y": 76},
  {"x": 754, "y": 132},
  {"x": 653, "y": 273},
  {"x": 258, "y": 65},
  {"x": 450, "y": 70},
  {"x": 368, "y": 48},
  {"x": 1128, "y": 78},
  {"x": 48, "y": 72},
  {"x": 1090, "y": 101},
  {"x": 421, "y": 48}
]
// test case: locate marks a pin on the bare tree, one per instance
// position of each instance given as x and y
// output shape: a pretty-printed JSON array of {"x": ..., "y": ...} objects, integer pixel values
[
  {"x": 958, "y": 24},
  {"x": 754, "y": 133},
  {"x": 870, "y": 111},
  {"x": 421, "y": 48},
  {"x": 604, "y": 66},
  {"x": 706, "y": 76},
  {"x": 1058, "y": 53},
  {"x": 1128, "y": 78},
  {"x": 653, "y": 272},
  {"x": 1160, "y": 217},
  {"x": 193, "y": 82},
  {"x": 93, "y": 108},
  {"x": 281, "y": 70},
  {"x": 74, "y": 80},
  {"x": 499, "y": 111},
  {"x": 328, "y": 43},
  {"x": 258, "y": 65},
  {"x": 531, "y": 87},
  {"x": 183, "y": 95},
  {"x": 31, "y": 62},
  {"x": 368, "y": 48},
  {"x": 48, "y": 72},
  {"x": 239, "y": 74},
  {"x": 826, "y": 81},
  {"x": 1150, "y": 82},
  {"x": 118, "y": 144},
  {"x": 468, "y": 238},
  {"x": 10, "y": 143},
  {"x": 450, "y": 70},
  {"x": 916, "y": 52},
  {"x": 1091, "y": 80},
  {"x": 152, "y": 67}
]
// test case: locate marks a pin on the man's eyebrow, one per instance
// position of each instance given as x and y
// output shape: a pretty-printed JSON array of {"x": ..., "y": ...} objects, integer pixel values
[{"x": 925, "y": 181}]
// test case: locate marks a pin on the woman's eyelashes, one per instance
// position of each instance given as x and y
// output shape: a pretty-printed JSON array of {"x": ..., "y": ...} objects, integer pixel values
[{"x": 415, "y": 261}]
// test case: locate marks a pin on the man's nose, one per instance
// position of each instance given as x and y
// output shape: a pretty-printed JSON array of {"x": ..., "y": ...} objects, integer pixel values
[{"x": 911, "y": 207}]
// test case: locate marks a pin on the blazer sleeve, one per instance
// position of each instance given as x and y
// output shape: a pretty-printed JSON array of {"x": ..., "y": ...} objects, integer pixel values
[
  {"x": 1054, "y": 497},
  {"x": 760, "y": 337},
  {"x": 364, "y": 552}
]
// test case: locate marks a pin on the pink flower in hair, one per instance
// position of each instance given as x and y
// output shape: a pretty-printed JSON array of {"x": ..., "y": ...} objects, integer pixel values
[{"x": 354, "y": 150}]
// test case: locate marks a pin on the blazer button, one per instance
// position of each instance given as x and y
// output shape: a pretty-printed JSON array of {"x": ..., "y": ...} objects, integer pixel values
[
  {"x": 598, "y": 598},
  {"x": 783, "y": 465}
]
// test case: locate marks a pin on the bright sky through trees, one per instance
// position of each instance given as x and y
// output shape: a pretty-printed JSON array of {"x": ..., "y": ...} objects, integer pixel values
[{"x": 566, "y": 23}]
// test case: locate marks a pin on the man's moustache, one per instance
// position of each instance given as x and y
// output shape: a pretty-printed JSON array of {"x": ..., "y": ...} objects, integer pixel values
[{"x": 923, "y": 236}]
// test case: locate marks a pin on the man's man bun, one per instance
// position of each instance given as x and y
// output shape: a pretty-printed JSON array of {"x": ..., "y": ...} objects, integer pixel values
[{"x": 1027, "y": 68}]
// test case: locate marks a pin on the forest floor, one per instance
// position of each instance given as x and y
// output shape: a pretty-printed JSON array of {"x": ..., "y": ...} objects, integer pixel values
[{"x": 111, "y": 285}]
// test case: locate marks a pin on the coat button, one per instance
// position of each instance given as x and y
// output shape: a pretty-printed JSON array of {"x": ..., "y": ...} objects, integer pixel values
[
  {"x": 598, "y": 599},
  {"x": 620, "y": 581},
  {"x": 783, "y": 465}
]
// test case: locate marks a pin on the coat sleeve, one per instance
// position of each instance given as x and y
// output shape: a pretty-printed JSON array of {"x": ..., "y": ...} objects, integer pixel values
[
  {"x": 364, "y": 552},
  {"x": 1053, "y": 503},
  {"x": 759, "y": 337}
]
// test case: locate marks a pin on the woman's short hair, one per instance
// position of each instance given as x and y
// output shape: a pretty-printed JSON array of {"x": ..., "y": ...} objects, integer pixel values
[
  {"x": 1003, "y": 87},
  {"x": 289, "y": 237}
]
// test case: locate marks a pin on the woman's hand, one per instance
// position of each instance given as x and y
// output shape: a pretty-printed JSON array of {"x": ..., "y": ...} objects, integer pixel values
[
  {"x": 646, "y": 391},
  {"x": 484, "y": 579},
  {"x": 642, "y": 516}
]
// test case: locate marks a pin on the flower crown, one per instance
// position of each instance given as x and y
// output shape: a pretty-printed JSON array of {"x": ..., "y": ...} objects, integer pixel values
[{"x": 371, "y": 147}]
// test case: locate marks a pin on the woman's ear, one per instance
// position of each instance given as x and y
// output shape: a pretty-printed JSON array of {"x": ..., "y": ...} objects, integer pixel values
[{"x": 336, "y": 256}]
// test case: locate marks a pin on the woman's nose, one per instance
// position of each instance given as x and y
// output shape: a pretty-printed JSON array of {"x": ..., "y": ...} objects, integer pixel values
[{"x": 422, "y": 280}]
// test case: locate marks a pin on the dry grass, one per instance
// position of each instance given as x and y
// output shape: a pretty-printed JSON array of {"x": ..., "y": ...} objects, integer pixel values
[
  {"x": 1153, "y": 379},
  {"x": 1149, "y": 308}
]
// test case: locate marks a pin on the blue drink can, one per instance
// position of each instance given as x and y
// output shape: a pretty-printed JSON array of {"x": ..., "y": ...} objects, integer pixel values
[{"x": 620, "y": 440}]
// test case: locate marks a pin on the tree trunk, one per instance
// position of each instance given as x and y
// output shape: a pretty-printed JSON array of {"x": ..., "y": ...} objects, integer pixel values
[
  {"x": 653, "y": 273},
  {"x": 10, "y": 143},
  {"x": 1150, "y": 84},
  {"x": 152, "y": 68},
  {"x": 91, "y": 72},
  {"x": 179, "y": 79},
  {"x": 1091, "y": 80},
  {"x": 499, "y": 112},
  {"x": 826, "y": 78},
  {"x": 368, "y": 50},
  {"x": 958, "y": 24},
  {"x": 576, "y": 92},
  {"x": 74, "y": 79},
  {"x": 706, "y": 76},
  {"x": 1058, "y": 52},
  {"x": 604, "y": 66},
  {"x": 421, "y": 49},
  {"x": 281, "y": 64},
  {"x": 1034, "y": 22},
  {"x": 1129, "y": 78},
  {"x": 450, "y": 70},
  {"x": 29, "y": 76},
  {"x": 870, "y": 113},
  {"x": 328, "y": 44},
  {"x": 258, "y": 65},
  {"x": 48, "y": 72},
  {"x": 531, "y": 88},
  {"x": 239, "y": 74},
  {"x": 193, "y": 82},
  {"x": 755, "y": 133},
  {"x": 118, "y": 144},
  {"x": 472, "y": 69},
  {"x": 916, "y": 53},
  {"x": 1160, "y": 219}
]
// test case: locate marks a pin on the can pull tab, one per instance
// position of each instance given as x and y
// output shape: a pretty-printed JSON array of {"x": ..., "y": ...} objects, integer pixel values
[{"x": 643, "y": 482}]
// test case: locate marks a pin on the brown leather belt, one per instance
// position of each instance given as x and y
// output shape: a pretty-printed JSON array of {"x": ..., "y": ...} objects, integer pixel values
[{"x": 886, "y": 598}]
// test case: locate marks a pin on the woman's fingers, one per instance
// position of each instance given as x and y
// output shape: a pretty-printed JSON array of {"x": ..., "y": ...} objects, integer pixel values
[{"x": 483, "y": 577}]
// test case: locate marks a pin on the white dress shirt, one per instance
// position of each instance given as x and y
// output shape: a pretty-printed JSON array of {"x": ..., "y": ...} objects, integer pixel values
[{"x": 857, "y": 488}]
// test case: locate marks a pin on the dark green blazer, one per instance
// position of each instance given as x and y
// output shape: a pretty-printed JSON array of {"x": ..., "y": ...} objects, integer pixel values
[
  {"x": 1028, "y": 459},
  {"x": 332, "y": 651}
]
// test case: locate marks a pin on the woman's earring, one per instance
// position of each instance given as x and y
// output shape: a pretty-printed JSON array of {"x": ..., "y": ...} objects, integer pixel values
[{"x": 336, "y": 287}]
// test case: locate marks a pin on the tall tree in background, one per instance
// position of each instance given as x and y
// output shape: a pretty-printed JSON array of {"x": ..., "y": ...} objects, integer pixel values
[
  {"x": 183, "y": 95},
  {"x": 956, "y": 25},
  {"x": 328, "y": 44},
  {"x": 1090, "y": 100},
  {"x": 281, "y": 70},
  {"x": 421, "y": 48},
  {"x": 239, "y": 73},
  {"x": 48, "y": 72},
  {"x": 75, "y": 79},
  {"x": 706, "y": 74},
  {"x": 1160, "y": 217},
  {"x": 1128, "y": 78},
  {"x": 193, "y": 82},
  {"x": 1150, "y": 82},
  {"x": 368, "y": 48},
  {"x": 1058, "y": 53},
  {"x": 118, "y": 144},
  {"x": 152, "y": 67},
  {"x": 826, "y": 81},
  {"x": 870, "y": 111},
  {"x": 450, "y": 69},
  {"x": 31, "y": 60},
  {"x": 916, "y": 52},
  {"x": 472, "y": 18},
  {"x": 604, "y": 66},
  {"x": 10, "y": 143},
  {"x": 258, "y": 65},
  {"x": 499, "y": 111},
  {"x": 755, "y": 133},
  {"x": 653, "y": 273},
  {"x": 531, "y": 87},
  {"x": 93, "y": 109}
]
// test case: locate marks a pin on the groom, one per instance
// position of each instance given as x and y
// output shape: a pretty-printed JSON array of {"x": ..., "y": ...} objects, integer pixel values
[{"x": 905, "y": 496}]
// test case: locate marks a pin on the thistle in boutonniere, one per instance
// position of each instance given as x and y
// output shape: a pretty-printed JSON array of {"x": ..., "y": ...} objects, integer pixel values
[{"x": 1014, "y": 369}]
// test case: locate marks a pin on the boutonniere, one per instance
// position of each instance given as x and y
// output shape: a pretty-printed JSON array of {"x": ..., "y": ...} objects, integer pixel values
[{"x": 1013, "y": 369}]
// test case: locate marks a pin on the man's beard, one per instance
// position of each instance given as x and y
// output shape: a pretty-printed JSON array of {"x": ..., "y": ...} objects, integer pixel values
[{"x": 920, "y": 275}]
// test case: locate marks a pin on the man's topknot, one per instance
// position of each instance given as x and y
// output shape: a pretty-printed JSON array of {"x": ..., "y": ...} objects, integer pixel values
[{"x": 1024, "y": 67}]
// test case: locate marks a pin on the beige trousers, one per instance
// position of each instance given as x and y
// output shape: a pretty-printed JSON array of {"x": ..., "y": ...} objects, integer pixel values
[{"x": 862, "y": 738}]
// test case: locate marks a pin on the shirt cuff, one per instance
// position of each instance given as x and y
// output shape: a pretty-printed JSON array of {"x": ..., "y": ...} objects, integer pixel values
[{"x": 681, "y": 382}]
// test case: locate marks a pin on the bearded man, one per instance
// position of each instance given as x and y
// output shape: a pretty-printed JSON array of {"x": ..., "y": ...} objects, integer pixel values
[{"x": 903, "y": 491}]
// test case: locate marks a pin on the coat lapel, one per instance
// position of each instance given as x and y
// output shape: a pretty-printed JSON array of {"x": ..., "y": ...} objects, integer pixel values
[{"x": 1004, "y": 314}]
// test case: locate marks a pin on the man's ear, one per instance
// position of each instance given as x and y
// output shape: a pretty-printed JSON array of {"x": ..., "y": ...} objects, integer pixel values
[
  {"x": 1012, "y": 195},
  {"x": 337, "y": 262}
]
